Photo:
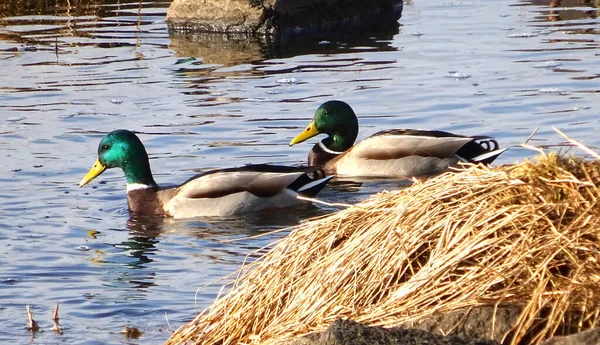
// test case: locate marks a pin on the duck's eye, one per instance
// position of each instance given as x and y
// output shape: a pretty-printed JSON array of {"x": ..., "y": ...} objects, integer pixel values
[{"x": 104, "y": 147}]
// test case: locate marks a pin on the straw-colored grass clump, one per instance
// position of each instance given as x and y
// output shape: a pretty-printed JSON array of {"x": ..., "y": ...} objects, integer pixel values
[{"x": 525, "y": 235}]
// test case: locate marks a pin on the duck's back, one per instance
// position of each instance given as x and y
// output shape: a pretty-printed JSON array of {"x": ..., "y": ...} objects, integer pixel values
[{"x": 408, "y": 153}]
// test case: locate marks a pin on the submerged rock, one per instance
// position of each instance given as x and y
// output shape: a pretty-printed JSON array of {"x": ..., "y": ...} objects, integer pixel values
[{"x": 282, "y": 17}]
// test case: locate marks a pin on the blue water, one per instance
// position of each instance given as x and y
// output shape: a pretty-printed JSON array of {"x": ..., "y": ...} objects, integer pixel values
[{"x": 68, "y": 75}]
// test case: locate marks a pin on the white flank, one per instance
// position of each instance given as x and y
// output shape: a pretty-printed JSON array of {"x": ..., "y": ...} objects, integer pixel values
[
  {"x": 136, "y": 186},
  {"x": 328, "y": 150}
]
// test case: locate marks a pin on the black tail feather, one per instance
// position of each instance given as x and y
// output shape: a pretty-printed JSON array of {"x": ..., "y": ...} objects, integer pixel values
[
  {"x": 310, "y": 183},
  {"x": 480, "y": 146}
]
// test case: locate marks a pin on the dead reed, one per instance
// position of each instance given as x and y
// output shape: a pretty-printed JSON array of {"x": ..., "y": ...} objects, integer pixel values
[{"x": 526, "y": 235}]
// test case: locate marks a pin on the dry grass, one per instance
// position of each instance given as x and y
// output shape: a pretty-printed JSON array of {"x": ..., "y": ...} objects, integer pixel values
[{"x": 526, "y": 235}]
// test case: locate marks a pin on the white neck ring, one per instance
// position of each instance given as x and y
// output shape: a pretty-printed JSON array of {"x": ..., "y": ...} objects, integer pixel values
[
  {"x": 136, "y": 186},
  {"x": 324, "y": 148}
]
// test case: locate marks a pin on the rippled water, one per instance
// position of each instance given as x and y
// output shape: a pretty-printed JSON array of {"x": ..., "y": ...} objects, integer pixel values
[{"x": 71, "y": 73}]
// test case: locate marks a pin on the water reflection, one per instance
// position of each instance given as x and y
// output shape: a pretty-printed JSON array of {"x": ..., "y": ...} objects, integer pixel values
[
  {"x": 230, "y": 50},
  {"x": 216, "y": 229},
  {"x": 144, "y": 233},
  {"x": 141, "y": 248},
  {"x": 227, "y": 50},
  {"x": 15, "y": 8},
  {"x": 55, "y": 30},
  {"x": 560, "y": 24},
  {"x": 564, "y": 10}
]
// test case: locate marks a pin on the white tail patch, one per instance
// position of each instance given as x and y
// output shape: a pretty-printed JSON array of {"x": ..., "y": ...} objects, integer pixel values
[
  {"x": 314, "y": 183},
  {"x": 488, "y": 155}
]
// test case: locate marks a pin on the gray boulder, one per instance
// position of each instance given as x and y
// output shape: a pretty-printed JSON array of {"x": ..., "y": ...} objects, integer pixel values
[
  {"x": 282, "y": 17},
  {"x": 589, "y": 337},
  {"x": 347, "y": 332},
  {"x": 478, "y": 323}
]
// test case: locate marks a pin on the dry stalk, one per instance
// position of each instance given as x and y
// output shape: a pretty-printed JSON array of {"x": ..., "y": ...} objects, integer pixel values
[
  {"x": 56, "y": 326},
  {"x": 32, "y": 325}
]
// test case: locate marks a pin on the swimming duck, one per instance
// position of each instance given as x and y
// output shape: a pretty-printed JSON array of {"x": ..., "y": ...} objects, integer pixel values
[
  {"x": 214, "y": 193},
  {"x": 389, "y": 153}
]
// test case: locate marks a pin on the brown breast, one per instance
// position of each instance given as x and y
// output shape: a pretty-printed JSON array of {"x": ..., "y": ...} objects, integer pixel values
[
  {"x": 318, "y": 157},
  {"x": 146, "y": 202}
]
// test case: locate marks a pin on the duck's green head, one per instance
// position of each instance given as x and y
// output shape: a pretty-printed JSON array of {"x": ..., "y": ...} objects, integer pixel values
[
  {"x": 335, "y": 118},
  {"x": 121, "y": 149}
]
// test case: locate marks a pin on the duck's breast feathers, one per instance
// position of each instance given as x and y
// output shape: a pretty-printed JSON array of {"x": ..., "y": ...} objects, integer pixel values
[
  {"x": 398, "y": 143},
  {"x": 149, "y": 200}
]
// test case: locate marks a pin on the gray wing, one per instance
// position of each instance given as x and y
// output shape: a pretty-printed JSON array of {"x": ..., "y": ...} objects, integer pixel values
[
  {"x": 220, "y": 184},
  {"x": 403, "y": 143}
]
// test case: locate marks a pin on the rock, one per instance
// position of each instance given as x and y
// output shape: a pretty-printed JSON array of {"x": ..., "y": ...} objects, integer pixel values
[
  {"x": 220, "y": 16},
  {"x": 589, "y": 337},
  {"x": 347, "y": 332},
  {"x": 282, "y": 18},
  {"x": 484, "y": 322}
]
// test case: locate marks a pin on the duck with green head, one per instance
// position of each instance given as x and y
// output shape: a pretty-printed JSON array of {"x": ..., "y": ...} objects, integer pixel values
[
  {"x": 391, "y": 153},
  {"x": 220, "y": 192}
]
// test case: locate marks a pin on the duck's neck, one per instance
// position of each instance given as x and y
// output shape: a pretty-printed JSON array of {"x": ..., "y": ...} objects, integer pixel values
[
  {"x": 319, "y": 155},
  {"x": 338, "y": 143},
  {"x": 142, "y": 191},
  {"x": 138, "y": 174}
]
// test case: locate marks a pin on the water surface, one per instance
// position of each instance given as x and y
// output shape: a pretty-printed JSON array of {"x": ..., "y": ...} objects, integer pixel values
[{"x": 71, "y": 73}]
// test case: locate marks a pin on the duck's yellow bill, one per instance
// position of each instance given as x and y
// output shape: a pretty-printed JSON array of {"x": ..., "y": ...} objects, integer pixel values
[
  {"x": 308, "y": 133},
  {"x": 96, "y": 170}
]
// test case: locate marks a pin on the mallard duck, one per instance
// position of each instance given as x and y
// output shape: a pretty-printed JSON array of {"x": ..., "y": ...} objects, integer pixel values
[
  {"x": 214, "y": 193},
  {"x": 390, "y": 153}
]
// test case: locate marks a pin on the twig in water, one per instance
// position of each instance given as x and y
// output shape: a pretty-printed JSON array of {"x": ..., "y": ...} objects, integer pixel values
[
  {"x": 168, "y": 324},
  {"x": 56, "y": 326},
  {"x": 32, "y": 325},
  {"x": 55, "y": 315}
]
